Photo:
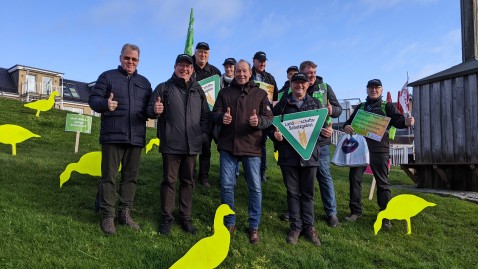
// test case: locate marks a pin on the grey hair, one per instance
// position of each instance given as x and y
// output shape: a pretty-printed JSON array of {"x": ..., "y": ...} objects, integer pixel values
[
  {"x": 243, "y": 61},
  {"x": 129, "y": 46}
]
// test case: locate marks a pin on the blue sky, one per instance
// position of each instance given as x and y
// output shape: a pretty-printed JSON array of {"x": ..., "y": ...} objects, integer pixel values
[{"x": 352, "y": 41}]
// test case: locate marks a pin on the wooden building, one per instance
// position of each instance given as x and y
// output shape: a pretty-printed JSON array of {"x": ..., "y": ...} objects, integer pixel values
[{"x": 446, "y": 118}]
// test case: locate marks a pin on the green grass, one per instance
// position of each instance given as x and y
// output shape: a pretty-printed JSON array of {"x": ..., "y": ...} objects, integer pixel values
[{"x": 43, "y": 226}]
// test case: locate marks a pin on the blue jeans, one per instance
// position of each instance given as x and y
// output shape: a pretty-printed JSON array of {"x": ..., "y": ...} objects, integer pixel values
[
  {"x": 326, "y": 185},
  {"x": 252, "y": 173}
]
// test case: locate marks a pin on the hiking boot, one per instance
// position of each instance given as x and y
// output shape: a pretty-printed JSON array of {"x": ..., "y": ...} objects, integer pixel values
[
  {"x": 292, "y": 237},
  {"x": 108, "y": 226},
  {"x": 124, "y": 218},
  {"x": 386, "y": 224},
  {"x": 284, "y": 216},
  {"x": 231, "y": 229},
  {"x": 353, "y": 217},
  {"x": 188, "y": 227},
  {"x": 333, "y": 221},
  {"x": 205, "y": 182},
  {"x": 253, "y": 236},
  {"x": 311, "y": 234},
  {"x": 165, "y": 227}
]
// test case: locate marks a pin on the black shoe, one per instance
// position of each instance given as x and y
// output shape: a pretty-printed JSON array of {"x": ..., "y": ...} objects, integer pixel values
[
  {"x": 333, "y": 221},
  {"x": 165, "y": 227},
  {"x": 386, "y": 224},
  {"x": 284, "y": 216},
  {"x": 108, "y": 226},
  {"x": 353, "y": 217},
  {"x": 188, "y": 227},
  {"x": 205, "y": 182}
]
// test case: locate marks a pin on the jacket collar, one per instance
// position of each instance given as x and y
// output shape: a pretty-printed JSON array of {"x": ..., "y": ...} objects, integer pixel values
[{"x": 122, "y": 71}]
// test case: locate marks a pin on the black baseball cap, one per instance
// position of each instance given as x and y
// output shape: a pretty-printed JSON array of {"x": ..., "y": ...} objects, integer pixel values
[
  {"x": 299, "y": 77},
  {"x": 295, "y": 68},
  {"x": 229, "y": 61},
  {"x": 260, "y": 55},
  {"x": 184, "y": 57},
  {"x": 202, "y": 45},
  {"x": 374, "y": 82}
]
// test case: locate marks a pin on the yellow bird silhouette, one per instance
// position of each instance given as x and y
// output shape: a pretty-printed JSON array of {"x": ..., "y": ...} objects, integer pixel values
[
  {"x": 14, "y": 134},
  {"x": 43, "y": 105},
  {"x": 151, "y": 143},
  {"x": 402, "y": 207},
  {"x": 90, "y": 164},
  {"x": 209, "y": 252}
]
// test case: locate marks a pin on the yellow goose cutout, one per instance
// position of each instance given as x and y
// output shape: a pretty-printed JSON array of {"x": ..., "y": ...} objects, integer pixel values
[
  {"x": 90, "y": 164},
  {"x": 151, "y": 143},
  {"x": 209, "y": 252},
  {"x": 43, "y": 105},
  {"x": 402, "y": 207},
  {"x": 14, "y": 134}
]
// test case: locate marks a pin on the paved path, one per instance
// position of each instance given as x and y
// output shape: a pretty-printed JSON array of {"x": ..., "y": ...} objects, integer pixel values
[{"x": 464, "y": 195}]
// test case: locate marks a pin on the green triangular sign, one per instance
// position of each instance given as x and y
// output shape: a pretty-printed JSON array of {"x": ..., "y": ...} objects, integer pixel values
[
  {"x": 302, "y": 129},
  {"x": 211, "y": 87}
]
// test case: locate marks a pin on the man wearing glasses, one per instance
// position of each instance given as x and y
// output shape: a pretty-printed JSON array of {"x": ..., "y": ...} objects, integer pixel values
[{"x": 121, "y": 96}]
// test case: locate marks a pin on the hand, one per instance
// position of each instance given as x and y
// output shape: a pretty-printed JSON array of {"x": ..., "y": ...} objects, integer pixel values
[
  {"x": 278, "y": 135},
  {"x": 348, "y": 129},
  {"x": 327, "y": 132},
  {"x": 112, "y": 104},
  {"x": 227, "y": 119},
  {"x": 158, "y": 106},
  {"x": 254, "y": 120},
  {"x": 329, "y": 108},
  {"x": 409, "y": 121}
]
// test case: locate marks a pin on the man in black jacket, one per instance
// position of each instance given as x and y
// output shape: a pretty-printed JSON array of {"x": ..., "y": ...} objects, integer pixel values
[
  {"x": 121, "y": 96},
  {"x": 259, "y": 74},
  {"x": 183, "y": 125},
  {"x": 203, "y": 70}
]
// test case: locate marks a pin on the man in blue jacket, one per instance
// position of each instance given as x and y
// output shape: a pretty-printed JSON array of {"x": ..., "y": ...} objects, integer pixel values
[{"x": 121, "y": 96}]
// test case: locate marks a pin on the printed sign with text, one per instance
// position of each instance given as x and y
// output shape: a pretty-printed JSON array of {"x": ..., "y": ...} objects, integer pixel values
[{"x": 370, "y": 125}]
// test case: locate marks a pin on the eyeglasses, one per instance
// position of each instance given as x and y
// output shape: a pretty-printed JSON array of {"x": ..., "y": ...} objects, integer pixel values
[{"x": 127, "y": 58}]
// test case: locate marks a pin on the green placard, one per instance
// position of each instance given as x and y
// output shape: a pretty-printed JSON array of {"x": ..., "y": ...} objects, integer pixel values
[
  {"x": 370, "y": 125},
  {"x": 269, "y": 88},
  {"x": 78, "y": 123},
  {"x": 211, "y": 87},
  {"x": 302, "y": 129}
]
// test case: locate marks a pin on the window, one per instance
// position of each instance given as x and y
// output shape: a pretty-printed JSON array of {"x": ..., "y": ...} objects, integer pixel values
[
  {"x": 47, "y": 85},
  {"x": 31, "y": 83},
  {"x": 69, "y": 90}
]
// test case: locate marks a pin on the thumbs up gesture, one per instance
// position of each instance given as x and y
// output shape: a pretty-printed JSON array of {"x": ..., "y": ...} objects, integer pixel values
[
  {"x": 254, "y": 120},
  {"x": 329, "y": 108},
  {"x": 112, "y": 104},
  {"x": 158, "y": 106},
  {"x": 227, "y": 119},
  {"x": 278, "y": 135}
]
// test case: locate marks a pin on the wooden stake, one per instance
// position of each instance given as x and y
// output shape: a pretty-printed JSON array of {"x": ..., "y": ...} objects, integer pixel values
[{"x": 77, "y": 142}]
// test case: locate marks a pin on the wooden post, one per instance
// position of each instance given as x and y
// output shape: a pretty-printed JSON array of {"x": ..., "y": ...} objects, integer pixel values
[
  {"x": 469, "y": 29},
  {"x": 372, "y": 189},
  {"x": 77, "y": 142}
]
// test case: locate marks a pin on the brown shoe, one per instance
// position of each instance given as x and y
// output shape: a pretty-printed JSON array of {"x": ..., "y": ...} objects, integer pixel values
[
  {"x": 124, "y": 218},
  {"x": 311, "y": 234},
  {"x": 293, "y": 237},
  {"x": 254, "y": 236},
  {"x": 108, "y": 226},
  {"x": 231, "y": 229}
]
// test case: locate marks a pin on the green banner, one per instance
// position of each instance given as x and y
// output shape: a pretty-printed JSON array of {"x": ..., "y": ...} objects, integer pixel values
[
  {"x": 302, "y": 129},
  {"x": 269, "y": 88},
  {"x": 78, "y": 123},
  {"x": 370, "y": 125},
  {"x": 188, "y": 48},
  {"x": 211, "y": 87}
]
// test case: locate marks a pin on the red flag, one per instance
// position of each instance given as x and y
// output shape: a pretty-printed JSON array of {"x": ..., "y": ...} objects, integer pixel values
[
  {"x": 403, "y": 98},
  {"x": 399, "y": 107},
  {"x": 389, "y": 98}
]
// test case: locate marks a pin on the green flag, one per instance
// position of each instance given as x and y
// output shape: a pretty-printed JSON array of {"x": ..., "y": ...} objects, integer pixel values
[{"x": 188, "y": 49}]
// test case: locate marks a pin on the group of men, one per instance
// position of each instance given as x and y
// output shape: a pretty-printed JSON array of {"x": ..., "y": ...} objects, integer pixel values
[{"x": 242, "y": 118}]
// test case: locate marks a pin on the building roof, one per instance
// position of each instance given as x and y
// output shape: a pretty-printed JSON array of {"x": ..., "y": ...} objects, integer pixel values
[
  {"x": 459, "y": 70},
  {"x": 76, "y": 91},
  {"x": 6, "y": 83}
]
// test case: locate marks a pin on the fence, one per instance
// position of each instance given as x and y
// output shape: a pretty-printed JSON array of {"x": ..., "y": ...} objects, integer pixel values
[{"x": 398, "y": 153}]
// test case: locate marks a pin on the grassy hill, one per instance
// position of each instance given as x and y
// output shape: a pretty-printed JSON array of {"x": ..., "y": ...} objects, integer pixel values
[{"x": 43, "y": 226}]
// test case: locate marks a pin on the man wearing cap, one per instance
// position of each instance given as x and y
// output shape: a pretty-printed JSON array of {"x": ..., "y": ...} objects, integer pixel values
[
  {"x": 286, "y": 88},
  {"x": 379, "y": 151},
  {"x": 202, "y": 70},
  {"x": 298, "y": 174},
  {"x": 259, "y": 73},
  {"x": 323, "y": 92},
  {"x": 183, "y": 115},
  {"x": 228, "y": 75}
]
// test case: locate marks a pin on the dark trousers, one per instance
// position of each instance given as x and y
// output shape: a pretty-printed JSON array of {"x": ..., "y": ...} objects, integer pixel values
[
  {"x": 299, "y": 182},
  {"x": 205, "y": 159},
  {"x": 175, "y": 166},
  {"x": 112, "y": 155},
  {"x": 378, "y": 163}
]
